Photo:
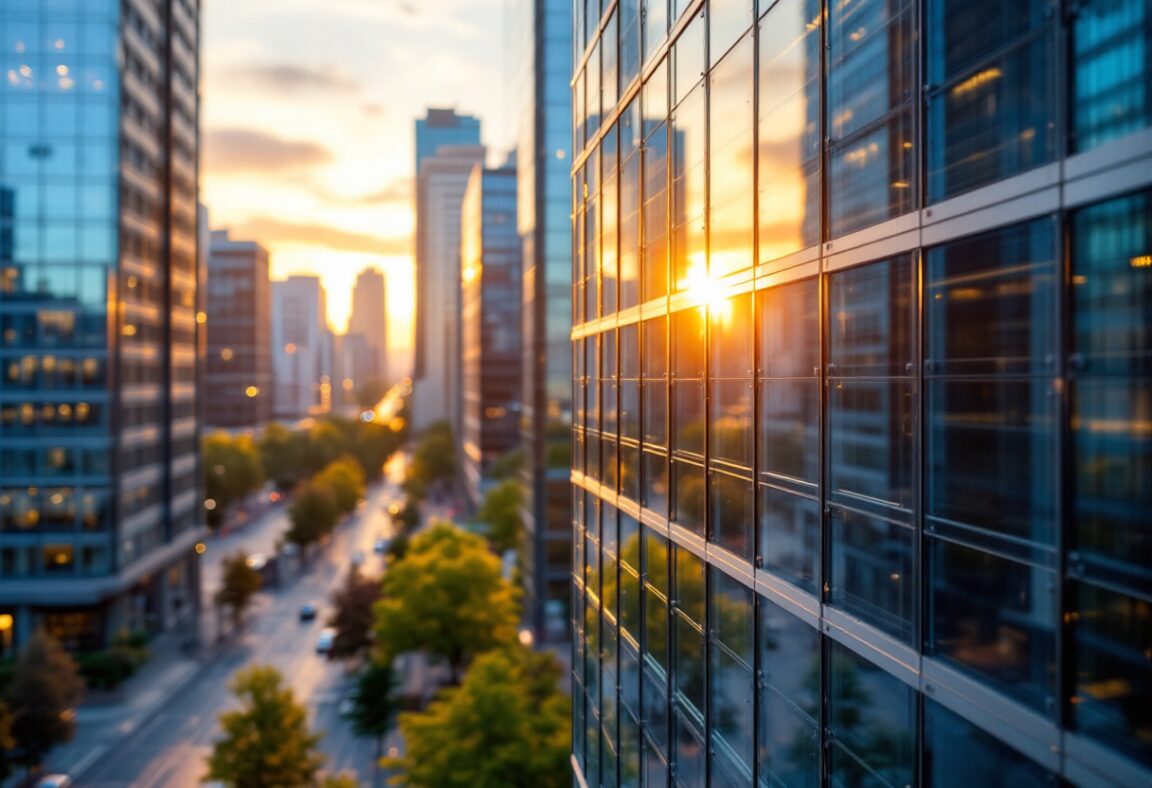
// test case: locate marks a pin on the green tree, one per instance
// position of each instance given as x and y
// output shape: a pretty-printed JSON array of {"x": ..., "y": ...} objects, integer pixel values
[
  {"x": 266, "y": 741},
  {"x": 232, "y": 471},
  {"x": 447, "y": 597},
  {"x": 500, "y": 511},
  {"x": 326, "y": 441},
  {"x": 312, "y": 515},
  {"x": 433, "y": 459},
  {"x": 507, "y": 725},
  {"x": 374, "y": 704},
  {"x": 352, "y": 617},
  {"x": 282, "y": 454},
  {"x": 239, "y": 583},
  {"x": 345, "y": 479},
  {"x": 508, "y": 465},
  {"x": 46, "y": 686}
]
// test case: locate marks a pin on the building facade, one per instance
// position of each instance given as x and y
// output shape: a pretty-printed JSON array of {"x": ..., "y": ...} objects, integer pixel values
[
  {"x": 491, "y": 367},
  {"x": 100, "y": 506},
  {"x": 238, "y": 368},
  {"x": 544, "y": 27},
  {"x": 369, "y": 319},
  {"x": 301, "y": 347},
  {"x": 440, "y": 185},
  {"x": 862, "y": 391}
]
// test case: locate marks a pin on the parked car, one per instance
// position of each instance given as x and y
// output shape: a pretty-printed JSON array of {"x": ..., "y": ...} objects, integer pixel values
[
  {"x": 325, "y": 640},
  {"x": 308, "y": 612},
  {"x": 380, "y": 545}
]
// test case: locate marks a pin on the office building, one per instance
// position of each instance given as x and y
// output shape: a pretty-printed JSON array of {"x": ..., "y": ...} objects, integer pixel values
[
  {"x": 369, "y": 320},
  {"x": 490, "y": 324},
  {"x": 301, "y": 347},
  {"x": 238, "y": 368},
  {"x": 543, "y": 34},
  {"x": 862, "y": 340},
  {"x": 100, "y": 506},
  {"x": 355, "y": 364},
  {"x": 440, "y": 184}
]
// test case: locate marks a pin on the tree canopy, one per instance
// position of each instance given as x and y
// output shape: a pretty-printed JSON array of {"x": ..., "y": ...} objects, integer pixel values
[
  {"x": 232, "y": 471},
  {"x": 266, "y": 742},
  {"x": 345, "y": 478},
  {"x": 507, "y": 726},
  {"x": 500, "y": 511},
  {"x": 352, "y": 617},
  {"x": 46, "y": 686},
  {"x": 238, "y": 584},
  {"x": 433, "y": 459},
  {"x": 447, "y": 597},
  {"x": 313, "y": 513}
]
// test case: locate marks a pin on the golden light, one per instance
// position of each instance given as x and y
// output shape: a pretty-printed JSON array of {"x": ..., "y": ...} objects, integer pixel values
[
  {"x": 704, "y": 290},
  {"x": 290, "y": 348},
  {"x": 1142, "y": 261},
  {"x": 396, "y": 424},
  {"x": 251, "y": 391},
  {"x": 349, "y": 384},
  {"x": 201, "y": 317},
  {"x": 227, "y": 354},
  {"x": 469, "y": 273},
  {"x": 5, "y": 622},
  {"x": 209, "y": 504},
  {"x": 201, "y": 548},
  {"x": 976, "y": 81}
]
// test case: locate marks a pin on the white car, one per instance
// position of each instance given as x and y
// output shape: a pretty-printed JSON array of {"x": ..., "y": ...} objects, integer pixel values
[{"x": 325, "y": 640}]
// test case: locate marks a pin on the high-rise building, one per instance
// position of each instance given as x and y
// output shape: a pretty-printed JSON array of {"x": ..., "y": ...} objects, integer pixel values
[
  {"x": 301, "y": 347},
  {"x": 238, "y": 371},
  {"x": 369, "y": 320},
  {"x": 543, "y": 33},
  {"x": 490, "y": 324},
  {"x": 355, "y": 365},
  {"x": 862, "y": 379},
  {"x": 100, "y": 506},
  {"x": 440, "y": 184}
]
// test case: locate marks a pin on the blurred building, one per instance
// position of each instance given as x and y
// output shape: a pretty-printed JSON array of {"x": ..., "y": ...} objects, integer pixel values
[
  {"x": 543, "y": 32},
  {"x": 301, "y": 349},
  {"x": 439, "y": 191},
  {"x": 238, "y": 370},
  {"x": 369, "y": 319},
  {"x": 490, "y": 324},
  {"x": 355, "y": 364},
  {"x": 99, "y": 501},
  {"x": 862, "y": 353}
]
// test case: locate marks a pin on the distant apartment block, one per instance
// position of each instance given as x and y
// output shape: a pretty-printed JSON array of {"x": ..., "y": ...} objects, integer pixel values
[{"x": 301, "y": 347}]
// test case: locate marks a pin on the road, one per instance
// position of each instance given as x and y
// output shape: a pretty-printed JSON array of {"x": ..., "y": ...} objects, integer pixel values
[{"x": 171, "y": 749}]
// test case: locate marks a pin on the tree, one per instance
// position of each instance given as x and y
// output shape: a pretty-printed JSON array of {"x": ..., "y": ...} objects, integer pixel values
[
  {"x": 232, "y": 471},
  {"x": 501, "y": 512},
  {"x": 46, "y": 686},
  {"x": 313, "y": 514},
  {"x": 239, "y": 582},
  {"x": 346, "y": 481},
  {"x": 508, "y": 465},
  {"x": 266, "y": 741},
  {"x": 447, "y": 597},
  {"x": 282, "y": 454},
  {"x": 508, "y": 724},
  {"x": 433, "y": 459},
  {"x": 408, "y": 518},
  {"x": 352, "y": 618},
  {"x": 374, "y": 704}
]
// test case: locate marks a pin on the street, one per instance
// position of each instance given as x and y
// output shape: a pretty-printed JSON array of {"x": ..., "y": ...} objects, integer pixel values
[{"x": 170, "y": 750}]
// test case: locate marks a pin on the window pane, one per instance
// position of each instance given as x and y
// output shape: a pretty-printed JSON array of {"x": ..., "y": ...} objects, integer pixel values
[
  {"x": 654, "y": 217},
  {"x": 872, "y": 177},
  {"x": 688, "y": 492},
  {"x": 655, "y": 25},
  {"x": 1111, "y": 635},
  {"x": 870, "y": 50},
  {"x": 732, "y": 518},
  {"x": 789, "y": 428},
  {"x": 871, "y": 565},
  {"x": 688, "y": 664},
  {"x": 790, "y": 536},
  {"x": 654, "y": 489},
  {"x": 688, "y": 58},
  {"x": 688, "y": 344},
  {"x": 990, "y": 117},
  {"x": 1110, "y": 71},
  {"x": 655, "y": 395},
  {"x": 789, "y": 145},
  {"x": 630, "y": 232},
  {"x": 990, "y": 303},
  {"x": 689, "y": 265},
  {"x": 731, "y": 677},
  {"x": 688, "y": 416},
  {"x": 788, "y": 317},
  {"x": 788, "y": 749},
  {"x": 731, "y": 345},
  {"x": 730, "y": 437},
  {"x": 730, "y": 214},
  {"x": 870, "y": 444},
  {"x": 954, "y": 746},
  {"x": 630, "y": 409},
  {"x": 991, "y": 456},
  {"x": 871, "y": 321},
  {"x": 995, "y": 619},
  {"x": 872, "y": 721}
]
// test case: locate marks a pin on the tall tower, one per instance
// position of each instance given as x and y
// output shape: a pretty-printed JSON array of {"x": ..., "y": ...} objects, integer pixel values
[
  {"x": 100, "y": 506},
  {"x": 369, "y": 319}
]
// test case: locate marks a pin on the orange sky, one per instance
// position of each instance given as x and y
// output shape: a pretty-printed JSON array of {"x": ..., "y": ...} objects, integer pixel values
[{"x": 307, "y": 127}]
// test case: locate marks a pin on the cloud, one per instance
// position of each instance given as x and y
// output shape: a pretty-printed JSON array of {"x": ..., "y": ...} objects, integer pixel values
[
  {"x": 231, "y": 150},
  {"x": 290, "y": 78},
  {"x": 399, "y": 190},
  {"x": 269, "y": 230}
]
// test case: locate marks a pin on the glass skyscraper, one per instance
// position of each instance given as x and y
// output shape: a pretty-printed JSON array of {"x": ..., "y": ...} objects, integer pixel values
[
  {"x": 862, "y": 456},
  {"x": 99, "y": 499},
  {"x": 543, "y": 162}
]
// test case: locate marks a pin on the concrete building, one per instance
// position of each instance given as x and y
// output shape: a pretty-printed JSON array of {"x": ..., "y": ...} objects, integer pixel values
[
  {"x": 238, "y": 375},
  {"x": 490, "y": 336},
  {"x": 100, "y": 506},
  {"x": 369, "y": 319},
  {"x": 861, "y": 436},
  {"x": 301, "y": 349},
  {"x": 440, "y": 185}
]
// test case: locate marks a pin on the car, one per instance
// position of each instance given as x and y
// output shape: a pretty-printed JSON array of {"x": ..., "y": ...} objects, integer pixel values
[
  {"x": 380, "y": 545},
  {"x": 257, "y": 561},
  {"x": 54, "y": 781},
  {"x": 308, "y": 612},
  {"x": 325, "y": 641}
]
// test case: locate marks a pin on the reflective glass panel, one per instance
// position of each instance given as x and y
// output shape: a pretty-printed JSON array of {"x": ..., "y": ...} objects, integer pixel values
[
  {"x": 871, "y": 571},
  {"x": 1110, "y": 71},
  {"x": 788, "y": 749},
  {"x": 954, "y": 746}
]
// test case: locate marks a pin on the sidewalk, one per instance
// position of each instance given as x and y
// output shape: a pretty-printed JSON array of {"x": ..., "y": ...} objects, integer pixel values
[{"x": 104, "y": 718}]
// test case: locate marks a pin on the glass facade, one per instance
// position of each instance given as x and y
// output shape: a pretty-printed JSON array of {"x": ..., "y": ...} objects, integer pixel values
[
  {"x": 861, "y": 392},
  {"x": 98, "y": 321}
]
